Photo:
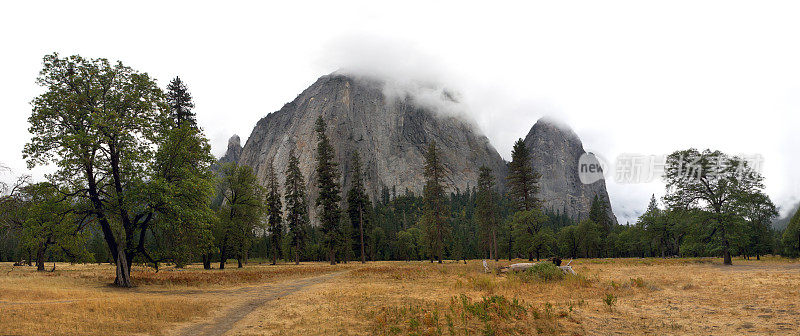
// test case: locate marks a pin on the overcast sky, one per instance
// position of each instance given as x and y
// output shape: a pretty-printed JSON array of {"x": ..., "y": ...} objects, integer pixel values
[{"x": 628, "y": 77}]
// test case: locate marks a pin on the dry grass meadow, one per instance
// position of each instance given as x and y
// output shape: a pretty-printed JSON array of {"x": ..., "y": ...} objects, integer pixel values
[{"x": 608, "y": 297}]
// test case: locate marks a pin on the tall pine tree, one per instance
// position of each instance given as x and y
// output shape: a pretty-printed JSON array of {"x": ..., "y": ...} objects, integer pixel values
[
  {"x": 274, "y": 214},
  {"x": 434, "y": 210},
  {"x": 486, "y": 211},
  {"x": 296, "y": 205},
  {"x": 358, "y": 205},
  {"x": 523, "y": 182},
  {"x": 329, "y": 190},
  {"x": 180, "y": 102},
  {"x": 523, "y": 185}
]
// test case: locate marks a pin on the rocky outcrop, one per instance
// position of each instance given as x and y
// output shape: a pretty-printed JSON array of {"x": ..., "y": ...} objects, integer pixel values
[
  {"x": 555, "y": 151},
  {"x": 390, "y": 132},
  {"x": 234, "y": 151}
]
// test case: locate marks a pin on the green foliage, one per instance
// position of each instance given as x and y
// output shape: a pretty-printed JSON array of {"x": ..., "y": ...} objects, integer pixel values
[
  {"x": 51, "y": 221},
  {"x": 241, "y": 213},
  {"x": 434, "y": 214},
  {"x": 610, "y": 300},
  {"x": 329, "y": 190},
  {"x": 180, "y": 103},
  {"x": 569, "y": 243},
  {"x": 543, "y": 271},
  {"x": 791, "y": 236},
  {"x": 526, "y": 229},
  {"x": 296, "y": 206},
  {"x": 657, "y": 226},
  {"x": 598, "y": 213},
  {"x": 101, "y": 125},
  {"x": 717, "y": 183},
  {"x": 493, "y": 306},
  {"x": 486, "y": 213},
  {"x": 358, "y": 208},
  {"x": 180, "y": 190},
  {"x": 590, "y": 234},
  {"x": 274, "y": 209},
  {"x": 523, "y": 182}
]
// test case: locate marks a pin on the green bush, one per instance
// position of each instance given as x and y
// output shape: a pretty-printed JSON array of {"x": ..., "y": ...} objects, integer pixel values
[{"x": 544, "y": 271}]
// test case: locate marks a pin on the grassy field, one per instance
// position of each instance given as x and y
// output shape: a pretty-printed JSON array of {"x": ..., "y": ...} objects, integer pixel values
[{"x": 614, "y": 296}]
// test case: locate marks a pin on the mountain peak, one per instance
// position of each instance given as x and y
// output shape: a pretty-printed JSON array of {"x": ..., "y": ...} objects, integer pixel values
[
  {"x": 390, "y": 130},
  {"x": 555, "y": 152},
  {"x": 234, "y": 150}
]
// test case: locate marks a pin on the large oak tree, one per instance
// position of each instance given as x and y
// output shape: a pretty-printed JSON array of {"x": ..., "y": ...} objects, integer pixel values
[
  {"x": 720, "y": 185},
  {"x": 102, "y": 125}
]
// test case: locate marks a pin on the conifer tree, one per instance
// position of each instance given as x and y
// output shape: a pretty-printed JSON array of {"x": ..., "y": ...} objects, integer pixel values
[
  {"x": 329, "y": 191},
  {"x": 274, "y": 214},
  {"x": 791, "y": 236},
  {"x": 358, "y": 204},
  {"x": 598, "y": 212},
  {"x": 523, "y": 182},
  {"x": 296, "y": 205},
  {"x": 434, "y": 215},
  {"x": 486, "y": 211},
  {"x": 180, "y": 102}
]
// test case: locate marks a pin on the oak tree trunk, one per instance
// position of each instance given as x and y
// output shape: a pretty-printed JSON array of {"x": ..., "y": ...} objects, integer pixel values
[
  {"x": 123, "y": 278},
  {"x": 40, "y": 259}
]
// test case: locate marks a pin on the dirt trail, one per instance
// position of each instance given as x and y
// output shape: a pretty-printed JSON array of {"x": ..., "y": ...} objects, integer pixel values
[{"x": 248, "y": 299}]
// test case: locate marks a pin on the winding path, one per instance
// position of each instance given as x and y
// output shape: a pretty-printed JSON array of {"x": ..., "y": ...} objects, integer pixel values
[{"x": 251, "y": 299}]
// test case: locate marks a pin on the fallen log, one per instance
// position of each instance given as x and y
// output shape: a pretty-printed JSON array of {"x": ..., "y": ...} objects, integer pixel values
[{"x": 521, "y": 267}]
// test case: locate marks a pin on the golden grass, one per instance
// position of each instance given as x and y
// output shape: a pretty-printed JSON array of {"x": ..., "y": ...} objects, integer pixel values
[
  {"x": 610, "y": 296},
  {"x": 79, "y": 300},
  {"x": 115, "y": 315}
]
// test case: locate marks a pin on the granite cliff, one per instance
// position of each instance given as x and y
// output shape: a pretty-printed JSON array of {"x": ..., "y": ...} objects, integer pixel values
[
  {"x": 391, "y": 131},
  {"x": 555, "y": 151}
]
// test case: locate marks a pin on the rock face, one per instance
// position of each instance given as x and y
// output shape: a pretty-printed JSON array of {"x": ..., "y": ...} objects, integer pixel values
[
  {"x": 234, "y": 151},
  {"x": 390, "y": 134},
  {"x": 555, "y": 151}
]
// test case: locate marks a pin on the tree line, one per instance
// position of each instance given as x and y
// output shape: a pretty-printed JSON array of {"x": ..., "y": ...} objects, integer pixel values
[{"x": 136, "y": 183}]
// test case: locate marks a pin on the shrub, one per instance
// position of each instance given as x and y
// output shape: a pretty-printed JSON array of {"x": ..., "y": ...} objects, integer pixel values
[
  {"x": 610, "y": 299},
  {"x": 544, "y": 271}
]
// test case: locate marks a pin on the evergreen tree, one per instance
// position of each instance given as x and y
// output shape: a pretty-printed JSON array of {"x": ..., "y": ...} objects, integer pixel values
[
  {"x": 486, "y": 211},
  {"x": 434, "y": 215},
  {"x": 274, "y": 214},
  {"x": 329, "y": 191},
  {"x": 791, "y": 236},
  {"x": 358, "y": 205},
  {"x": 523, "y": 182},
  {"x": 296, "y": 205},
  {"x": 180, "y": 102},
  {"x": 523, "y": 185},
  {"x": 181, "y": 188},
  {"x": 598, "y": 212},
  {"x": 656, "y": 226}
]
